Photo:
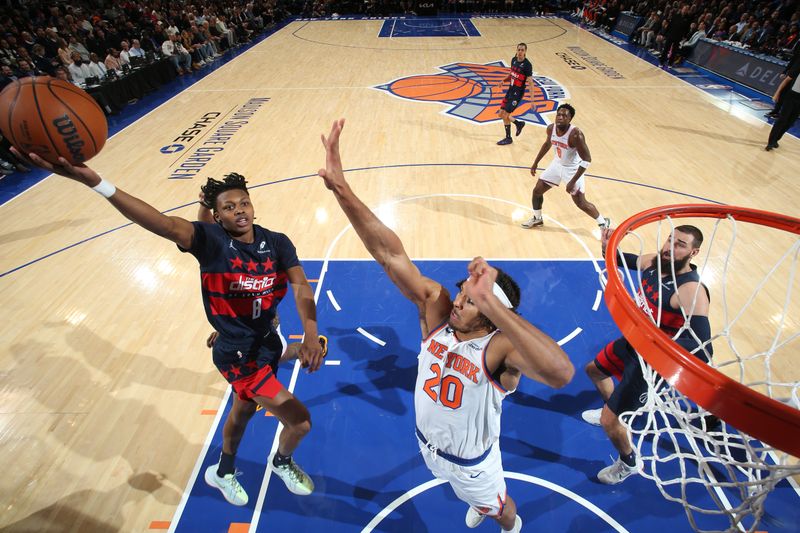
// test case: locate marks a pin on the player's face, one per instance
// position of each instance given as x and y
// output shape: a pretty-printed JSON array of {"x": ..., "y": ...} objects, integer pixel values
[
  {"x": 563, "y": 118},
  {"x": 521, "y": 51},
  {"x": 234, "y": 212},
  {"x": 464, "y": 317},
  {"x": 683, "y": 251}
]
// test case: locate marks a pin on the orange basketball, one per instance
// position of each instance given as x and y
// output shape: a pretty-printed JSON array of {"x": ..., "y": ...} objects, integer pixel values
[
  {"x": 436, "y": 88},
  {"x": 52, "y": 118}
]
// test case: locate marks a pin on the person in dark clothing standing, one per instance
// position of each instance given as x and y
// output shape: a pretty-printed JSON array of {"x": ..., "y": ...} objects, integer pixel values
[
  {"x": 776, "y": 111},
  {"x": 520, "y": 76},
  {"x": 788, "y": 94},
  {"x": 678, "y": 29}
]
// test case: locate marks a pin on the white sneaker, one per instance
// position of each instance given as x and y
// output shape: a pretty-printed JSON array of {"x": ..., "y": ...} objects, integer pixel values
[
  {"x": 293, "y": 476},
  {"x": 228, "y": 485},
  {"x": 592, "y": 416},
  {"x": 618, "y": 472},
  {"x": 532, "y": 222},
  {"x": 473, "y": 518},
  {"x": 605, "y": 224},
  {"x": 517, "y": 526}
]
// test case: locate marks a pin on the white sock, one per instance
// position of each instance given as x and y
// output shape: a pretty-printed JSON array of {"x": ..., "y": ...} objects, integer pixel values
[
  {"x": 537, "y": 213},
  {"x": 600, "y": 219}
]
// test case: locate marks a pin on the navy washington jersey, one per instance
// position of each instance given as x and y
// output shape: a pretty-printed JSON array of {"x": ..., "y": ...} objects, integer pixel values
[
  {"x": 242, "y": 283},
  {"x": 520, "y": 72},
  {"x": 671, "y": 319}
]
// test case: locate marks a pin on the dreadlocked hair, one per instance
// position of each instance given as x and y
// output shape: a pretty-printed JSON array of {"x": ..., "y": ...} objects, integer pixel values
[
  {"x": 510, "y": 288},
  {"x": 213, "y": 188}
]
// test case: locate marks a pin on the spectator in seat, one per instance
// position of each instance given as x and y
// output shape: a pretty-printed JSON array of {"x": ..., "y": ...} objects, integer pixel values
[{"x": 176, "y": 53}]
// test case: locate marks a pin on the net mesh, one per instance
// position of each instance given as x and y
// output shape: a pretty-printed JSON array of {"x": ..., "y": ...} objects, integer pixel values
[{"x": 690, "y": 453}]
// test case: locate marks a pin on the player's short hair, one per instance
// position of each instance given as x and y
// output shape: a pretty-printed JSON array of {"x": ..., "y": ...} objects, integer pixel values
[
  {"x": 213, "y": 188},
  {"x": 694, "y": 231},
  {"x": 568, "y": 108},
  {"x": 522, "y": 44},
  {"x": 510, "y": 288}
]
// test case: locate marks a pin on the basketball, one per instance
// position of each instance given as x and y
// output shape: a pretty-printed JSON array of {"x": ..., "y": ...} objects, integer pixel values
[
  {"x": 52, "y": 118},
  {"x": 436, "y": 88}
]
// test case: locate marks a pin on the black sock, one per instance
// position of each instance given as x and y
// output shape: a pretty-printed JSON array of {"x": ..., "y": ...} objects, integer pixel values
[
  {"x": 225, "y": 464},
  {"x": 281, "y": 460},
  {"x": 629, "y": 459},
  {"x": 508, "y": 131}
]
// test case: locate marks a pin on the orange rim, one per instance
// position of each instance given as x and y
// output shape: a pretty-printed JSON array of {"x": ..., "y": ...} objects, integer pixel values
[{"x": 745, "y": 409}]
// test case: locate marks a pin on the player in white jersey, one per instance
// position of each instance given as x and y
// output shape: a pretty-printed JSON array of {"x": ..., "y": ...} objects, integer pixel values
[
  {"x": 475, "y": 348},
  {"x": 571, "y": 161}
]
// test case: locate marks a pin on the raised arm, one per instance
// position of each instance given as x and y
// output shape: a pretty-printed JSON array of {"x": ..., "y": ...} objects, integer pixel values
[
  {"x": 175, "y": 229},
  {"x": 520, "y": 346},
  {"x": 431, "y": 299}
]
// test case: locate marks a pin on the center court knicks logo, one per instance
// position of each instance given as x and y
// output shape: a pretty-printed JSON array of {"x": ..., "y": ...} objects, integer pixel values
[{"x": 469, "y": 90}]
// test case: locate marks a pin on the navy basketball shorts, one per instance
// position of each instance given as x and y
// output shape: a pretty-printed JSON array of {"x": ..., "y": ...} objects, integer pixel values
[{"x": 251, "y": 371}]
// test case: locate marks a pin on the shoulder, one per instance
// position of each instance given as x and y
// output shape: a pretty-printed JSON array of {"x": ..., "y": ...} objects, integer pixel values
[{"x": 550, "y": 128}]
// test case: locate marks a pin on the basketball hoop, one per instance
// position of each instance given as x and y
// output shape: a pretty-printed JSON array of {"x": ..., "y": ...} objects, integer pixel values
[{"x": 749, "y": 452}]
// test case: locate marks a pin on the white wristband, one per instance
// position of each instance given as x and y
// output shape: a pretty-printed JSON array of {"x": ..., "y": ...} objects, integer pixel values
[
  {"x": 584, "y": 164},
  {"x": 105, "y": 188}
]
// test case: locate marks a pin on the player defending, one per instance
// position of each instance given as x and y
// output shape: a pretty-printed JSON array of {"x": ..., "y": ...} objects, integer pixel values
[
  {"x": 667, "y": 298},
  {"x": 474, "y": 350},
  {"x": 245, "y": 270},
  {"x": 571, "y": 161},
  {"x": 520, "y": 75}
]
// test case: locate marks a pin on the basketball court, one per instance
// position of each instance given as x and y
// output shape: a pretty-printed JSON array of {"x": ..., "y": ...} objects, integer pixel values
[{"x": 112, "y": 407}]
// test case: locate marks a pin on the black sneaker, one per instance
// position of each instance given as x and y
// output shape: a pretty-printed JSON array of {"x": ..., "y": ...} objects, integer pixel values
[
  {"x": 770, "y": 146},
  {"x": 519, "y": 124},
  {"x": 505, "y": 141}
]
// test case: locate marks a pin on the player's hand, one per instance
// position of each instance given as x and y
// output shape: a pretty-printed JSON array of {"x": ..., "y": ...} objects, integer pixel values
[
  {"x": 212, "y": 339},
  {"x": 332, "y": 174},
  {"x": 311, "y": 353},
  {"x": 533, "y": 171},
  {"x": 79, "y": 173},
  {"x": 480, "y": 284}
]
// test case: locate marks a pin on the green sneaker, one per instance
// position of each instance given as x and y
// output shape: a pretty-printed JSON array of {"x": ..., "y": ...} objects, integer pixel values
[
  {"x": 293, "y": 476},
  {"x": 228, "y": 485}
]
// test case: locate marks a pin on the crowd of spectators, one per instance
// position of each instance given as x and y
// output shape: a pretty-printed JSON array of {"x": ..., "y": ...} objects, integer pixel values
[
  {"x": 768, "y": 27},
  {"x": 99, "y": 39}
]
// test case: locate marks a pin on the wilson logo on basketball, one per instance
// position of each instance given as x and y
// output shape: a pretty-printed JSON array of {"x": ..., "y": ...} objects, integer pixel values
[
  {"x": 470, "y": 91},
  {"x": 69, "y": 134}
]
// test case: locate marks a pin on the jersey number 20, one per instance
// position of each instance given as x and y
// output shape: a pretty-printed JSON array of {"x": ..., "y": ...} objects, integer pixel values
[{"x": 450, "y": 388}]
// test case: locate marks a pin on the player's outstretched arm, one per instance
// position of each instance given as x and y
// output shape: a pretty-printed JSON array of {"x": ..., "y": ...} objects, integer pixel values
[
  {"x": 310, "y": 350},
  {"x": 381, "y": 242},
  {"x": 526, "y": 348},
  {"x": 176, "y": 229}
]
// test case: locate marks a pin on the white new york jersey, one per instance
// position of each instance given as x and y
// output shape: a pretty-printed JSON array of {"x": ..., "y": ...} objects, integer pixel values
[
  {"x": 567, "y": 156},
  {"x": 458, "y": 405}
]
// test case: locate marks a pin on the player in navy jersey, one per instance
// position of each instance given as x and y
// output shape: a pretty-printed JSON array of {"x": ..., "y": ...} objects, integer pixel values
[
  {"x": 667, "y": 299},
  {"x": 521, "y": 74},
  {"x": 245, "y": 271}
]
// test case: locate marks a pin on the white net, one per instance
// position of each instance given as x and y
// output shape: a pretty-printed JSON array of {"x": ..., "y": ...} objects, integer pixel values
[{"x": 721, "y": 475}]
